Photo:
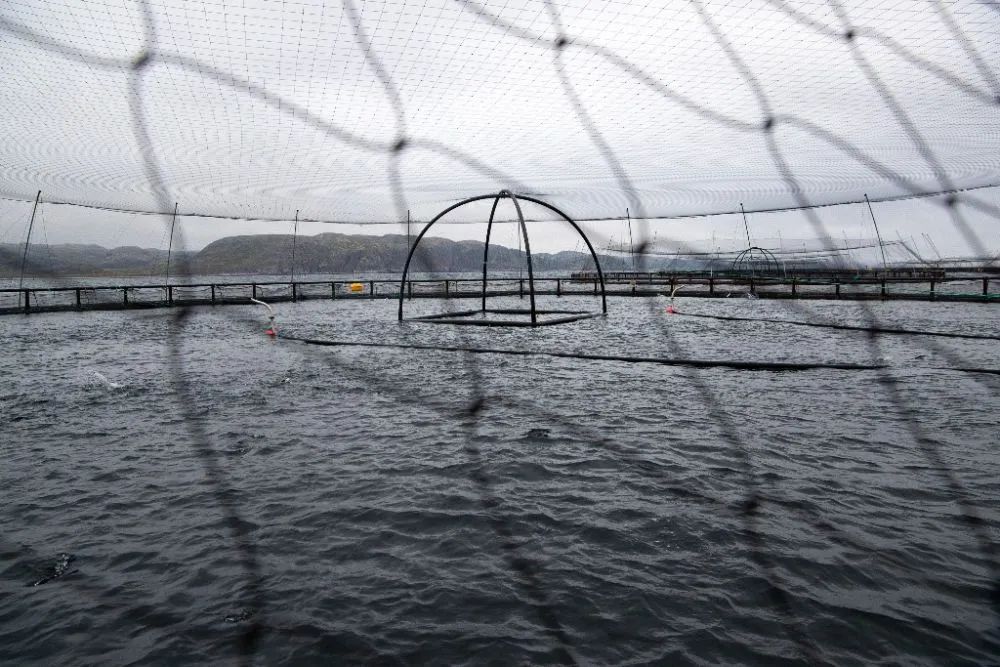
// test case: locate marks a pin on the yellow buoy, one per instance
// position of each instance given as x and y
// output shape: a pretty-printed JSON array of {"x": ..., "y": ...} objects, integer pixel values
[{"x": 357, "y": 287}]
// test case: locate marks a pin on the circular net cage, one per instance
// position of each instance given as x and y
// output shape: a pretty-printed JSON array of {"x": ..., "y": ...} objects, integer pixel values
[
  {"x": 505, "y": 317},
  {"x": 758, "y": 262}
]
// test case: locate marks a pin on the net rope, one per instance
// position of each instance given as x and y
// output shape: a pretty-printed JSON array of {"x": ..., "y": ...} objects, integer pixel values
[{"x": 358, "y": 113}]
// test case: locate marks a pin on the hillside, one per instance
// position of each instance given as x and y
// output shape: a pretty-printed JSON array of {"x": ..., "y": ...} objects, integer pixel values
[
  {"x": 272, "y": 254},
  {"x": 85, "y": 260}
]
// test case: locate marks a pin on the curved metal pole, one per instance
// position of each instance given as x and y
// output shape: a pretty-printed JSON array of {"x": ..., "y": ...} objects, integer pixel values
[
  {"x": 409, "y": 255},
  {"x": 590, "y": 246},
  {"x": 597, "y": 262},
  {"x": 744, "y": 256},
  {"x": 527, "y": 251},
  {"x": 270, "y": 315},
  {"x": 486, "y": 249}
]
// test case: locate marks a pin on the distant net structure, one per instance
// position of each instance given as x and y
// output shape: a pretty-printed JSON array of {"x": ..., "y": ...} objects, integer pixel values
[
  {"x": 754, "y": 138},
  {"x": 791, "y": 254},
  {"x": 756, "y": 261}
]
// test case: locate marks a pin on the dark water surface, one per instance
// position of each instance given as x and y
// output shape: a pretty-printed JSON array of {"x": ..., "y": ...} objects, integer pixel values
[{"x": 590, "y": 509}]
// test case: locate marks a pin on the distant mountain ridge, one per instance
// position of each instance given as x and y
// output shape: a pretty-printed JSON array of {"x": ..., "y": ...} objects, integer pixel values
[
  {"x": 271, "y": 254},
  {"x": 84, "y": 260}
]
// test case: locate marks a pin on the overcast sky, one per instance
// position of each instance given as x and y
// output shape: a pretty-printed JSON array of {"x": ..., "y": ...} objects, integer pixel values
[{"x": 261, "y": 108}]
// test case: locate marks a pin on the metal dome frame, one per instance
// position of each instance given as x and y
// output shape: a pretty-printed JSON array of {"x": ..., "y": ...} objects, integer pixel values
[
  {"x": 746, "y": 257},
  {"x": 461, "y": 317}
]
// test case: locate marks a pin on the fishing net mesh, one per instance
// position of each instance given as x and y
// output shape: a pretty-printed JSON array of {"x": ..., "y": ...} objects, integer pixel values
[{"x": 666, "y": 115}]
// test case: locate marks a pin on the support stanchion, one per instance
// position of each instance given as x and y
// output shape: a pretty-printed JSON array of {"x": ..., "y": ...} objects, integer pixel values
[
  {"x": 24, "y": 255},
  {"x": 170, "y": 245}
]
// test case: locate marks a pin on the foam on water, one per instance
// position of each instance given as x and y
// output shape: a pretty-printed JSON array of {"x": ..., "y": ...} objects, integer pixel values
[{"x": 106, "y": 382}]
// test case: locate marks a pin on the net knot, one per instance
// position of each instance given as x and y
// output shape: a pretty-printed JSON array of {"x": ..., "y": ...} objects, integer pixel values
[{"x": 141, "y": 60}]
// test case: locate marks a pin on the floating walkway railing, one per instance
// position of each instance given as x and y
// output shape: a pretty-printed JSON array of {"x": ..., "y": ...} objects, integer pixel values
[{"x": 120, "y": 297}]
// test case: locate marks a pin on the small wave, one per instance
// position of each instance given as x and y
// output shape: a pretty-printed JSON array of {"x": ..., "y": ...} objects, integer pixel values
[{"x": 240, "y": 616}]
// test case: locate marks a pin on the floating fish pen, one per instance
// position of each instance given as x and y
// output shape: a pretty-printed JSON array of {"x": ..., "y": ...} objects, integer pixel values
[
  {"x": 819, "y": 275},
  {"x": 756, "y": 261},
  {"x": 966, "y": 286},
  {"x": 505, "y": 317},
  {"x": 129, "y": 297}
]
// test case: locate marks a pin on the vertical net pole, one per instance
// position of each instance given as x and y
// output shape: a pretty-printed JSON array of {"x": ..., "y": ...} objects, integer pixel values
[
  {"x": 877, "y": 234},
  {"x": 295, "y": 234},
  {"x": 170, "y": 247},
  {"x": 24, "y": 255}
]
